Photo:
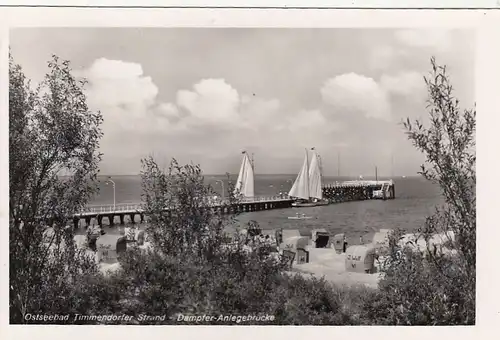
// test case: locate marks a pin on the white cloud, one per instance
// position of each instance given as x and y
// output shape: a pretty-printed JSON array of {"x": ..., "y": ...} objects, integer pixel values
[
  {"x": 404, "y": 84},
  {"x": 119, "y": 83},
  {"x": 383, "y": 56},
  {"x": 363, "y": 95},
  {"x": 125, "y": 97},
  {"x": 308, "y": 119},
  {"x": 310, "y": 128},
  {"x": 258, "y": 113},
  {"x": 168, "y": 110},
  {"x": 410, "y": 45},
  {"x": 211, "y": 100},
  {"x": 356, "y": 93},
  {"x": 103, "y": 68},
  {"x": 438, "y": 39},
  {"x": 129, "y": 103}
]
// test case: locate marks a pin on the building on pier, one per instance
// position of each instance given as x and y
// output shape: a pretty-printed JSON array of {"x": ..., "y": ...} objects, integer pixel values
[{"x": 359, "y": 191}]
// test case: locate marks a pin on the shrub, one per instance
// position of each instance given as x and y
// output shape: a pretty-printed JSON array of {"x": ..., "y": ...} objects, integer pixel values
[
  {"x": 51, "y": 132},
  {"x": 432, "y": 286},
  {"x": 157, "y": 285}
]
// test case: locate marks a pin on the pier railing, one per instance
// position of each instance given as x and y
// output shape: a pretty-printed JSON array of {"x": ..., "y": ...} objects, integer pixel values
[
  {"x": 358, "y": 183},
  {"x": 108, "y": 208},
  {"x": 263, "y": 199},
  {"x": 137, "y": 207}
]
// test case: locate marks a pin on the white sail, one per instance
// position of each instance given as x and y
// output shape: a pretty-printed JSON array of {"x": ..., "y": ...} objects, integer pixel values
[
  {"x": 244, "y": 183},
  {"x": 315, "y": 190},
  {"x": 300, "y": 188}
]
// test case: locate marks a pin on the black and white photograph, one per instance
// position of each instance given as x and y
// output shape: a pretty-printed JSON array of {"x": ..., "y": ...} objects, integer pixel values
[{"x": 242, "y": 176}]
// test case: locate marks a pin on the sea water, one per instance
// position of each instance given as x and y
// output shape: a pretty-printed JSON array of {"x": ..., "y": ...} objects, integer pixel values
[{"x": 416, "y": 199}]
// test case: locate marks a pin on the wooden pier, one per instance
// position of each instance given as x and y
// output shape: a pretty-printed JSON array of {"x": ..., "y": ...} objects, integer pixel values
[
  {"x": 334, "y": 193},
  {"x": 133, "y": 210},
  {"x": 359, "y": 191}
]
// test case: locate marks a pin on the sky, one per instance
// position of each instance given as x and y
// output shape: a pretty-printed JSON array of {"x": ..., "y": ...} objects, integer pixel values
[{"x": 204, "y": 95}]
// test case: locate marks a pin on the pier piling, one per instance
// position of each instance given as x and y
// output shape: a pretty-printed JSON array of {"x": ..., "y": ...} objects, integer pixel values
[{"x": 334, "y": 193}]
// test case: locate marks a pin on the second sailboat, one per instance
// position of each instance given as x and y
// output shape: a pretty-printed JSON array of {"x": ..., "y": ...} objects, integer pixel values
[{"x": 307, "y": 187}]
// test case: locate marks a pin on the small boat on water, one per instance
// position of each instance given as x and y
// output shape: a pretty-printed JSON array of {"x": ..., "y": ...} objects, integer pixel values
[
  {"x": 299, "y": 217},
  {"x": 312, "y": 203},
  {"x": 307, "y": 186},
  {"x": 303, "y": 204}
]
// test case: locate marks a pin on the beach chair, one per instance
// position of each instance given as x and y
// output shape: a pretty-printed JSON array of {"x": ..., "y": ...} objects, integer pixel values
[
  {"x": 321, "y": 238},
  {"x": 106, "y": 253},
  {"x": 302, "y": 256},
  {"x": 287, "y": 259},
  {"x": 121, "y": 245},
  {"x": 360, "y": 259},
  {"x": 338, "y": 243},
  {"x": 278, "y": 236},
  {"x": 140, "y": 238}
]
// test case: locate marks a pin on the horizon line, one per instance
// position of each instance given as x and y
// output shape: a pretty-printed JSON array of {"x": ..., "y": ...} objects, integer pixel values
[{"x": 275, "y": 174}]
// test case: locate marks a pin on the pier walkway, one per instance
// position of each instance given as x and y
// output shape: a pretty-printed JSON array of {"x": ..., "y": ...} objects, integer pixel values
[
  {"x": 132, "y": 210},
  {"x": 359, "y": 191},
  {"x": 334, "y": 192}
]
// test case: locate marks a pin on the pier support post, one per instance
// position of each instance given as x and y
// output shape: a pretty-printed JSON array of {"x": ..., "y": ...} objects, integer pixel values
[
  {"x": 111, "y": 219},
  {"x": 142, "y": 218},
  {"x": 99, "y": 220},
  {"x": 87, "y": 220},
  {"x": 132, "y": 218},
  {"x": 75, "y": 222},
  {"x": 122, "y": 219}
]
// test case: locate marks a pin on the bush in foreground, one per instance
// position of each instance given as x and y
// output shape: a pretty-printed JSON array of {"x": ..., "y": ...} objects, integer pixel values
[
  {"x": 156, "y": 285},
  {"x": 51, "y": 132},
  {"x": 437, "y": 285}
]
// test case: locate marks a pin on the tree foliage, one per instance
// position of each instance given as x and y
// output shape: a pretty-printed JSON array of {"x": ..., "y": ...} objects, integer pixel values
[
  {"x": 436, "y": 285},
  {"x": 183, "y": 220},
  {"x": 450, "y": 149},
  {"x": 52, "y": 133}
]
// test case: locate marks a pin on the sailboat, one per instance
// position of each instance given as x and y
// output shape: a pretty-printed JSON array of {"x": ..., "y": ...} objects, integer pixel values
[
  {"x": 307, "y": 187},
  {"x": 316, "y": 180},
  {"x": 300, "y": 188},
  {"x": 245, "y": 182}
]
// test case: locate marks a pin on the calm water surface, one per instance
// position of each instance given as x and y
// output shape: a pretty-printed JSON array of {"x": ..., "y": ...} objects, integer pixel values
[{"x": 416, "y": 199}]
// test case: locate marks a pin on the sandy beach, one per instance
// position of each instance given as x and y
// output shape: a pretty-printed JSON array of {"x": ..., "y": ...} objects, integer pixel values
[{"x": 325, "y": 262}]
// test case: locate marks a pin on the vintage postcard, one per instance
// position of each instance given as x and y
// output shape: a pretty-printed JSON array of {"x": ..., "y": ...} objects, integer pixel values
[{"x": 237, "y": 168}]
